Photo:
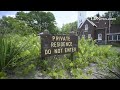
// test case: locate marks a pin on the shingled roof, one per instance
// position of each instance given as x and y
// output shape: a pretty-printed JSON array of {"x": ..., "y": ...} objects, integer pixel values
[
  {"x": 89, "y": 22},
  {"x": 101, "y": 23}
]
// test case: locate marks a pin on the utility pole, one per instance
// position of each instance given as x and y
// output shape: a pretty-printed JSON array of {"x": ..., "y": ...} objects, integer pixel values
[
  {"x": 109, "y": 21},
  {"x": 105, "y": 35},
  {"x": 109, "y": 25}
]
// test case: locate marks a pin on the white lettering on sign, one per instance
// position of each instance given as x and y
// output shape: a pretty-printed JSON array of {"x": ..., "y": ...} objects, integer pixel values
[
  {"x": 47, "y": 51},
  {"x": 60, "y": 38}
]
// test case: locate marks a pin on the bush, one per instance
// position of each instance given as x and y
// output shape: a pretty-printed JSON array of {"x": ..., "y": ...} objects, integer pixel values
[
  {"x": 88, "y": 53},
  {"x": 18, "y": 51},
  {"x": 21, "y": 55},
  {"x": 3, "y": 75}
]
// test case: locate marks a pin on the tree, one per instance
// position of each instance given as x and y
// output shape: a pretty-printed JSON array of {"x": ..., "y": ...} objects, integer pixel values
[
  {"x": 113, "y": 14},
  {"x": 110, "y": 14},
  {"x": 37, "y": 19},
  {"x": 12, "y": 25},
  {"x": 67, "y": 27},
  {"x": 98, "y": 15}
]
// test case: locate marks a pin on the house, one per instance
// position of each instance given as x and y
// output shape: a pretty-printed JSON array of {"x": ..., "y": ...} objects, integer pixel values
[{"x": 101, "y": 30}]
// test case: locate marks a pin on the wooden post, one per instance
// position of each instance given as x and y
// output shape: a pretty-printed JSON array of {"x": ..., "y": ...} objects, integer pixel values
[{"x": 46, "y": 32}]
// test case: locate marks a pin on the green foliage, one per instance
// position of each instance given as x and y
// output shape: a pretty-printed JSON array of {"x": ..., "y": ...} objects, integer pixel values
[
  {"x": 110, "y": 14},
  {"x": 111, "y": 67},
  {"x": 35, "y": 19},
  {"x": 2, "y": 75},
  {"x": 63, "y": 69},
  {"x": 19, "y": 53},
  {"x": 103, "y": 56},
  {"x": 15, "y": 26},
  {"x": 26, "y": 70},
  {"x": 67, "y": 27},
  {"x": 113, "y": 14},
  {"x": 27, "y": 23}
]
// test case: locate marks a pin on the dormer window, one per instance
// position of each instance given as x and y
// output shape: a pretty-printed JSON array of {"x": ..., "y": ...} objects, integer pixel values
[{"x": 86, "y": 27}]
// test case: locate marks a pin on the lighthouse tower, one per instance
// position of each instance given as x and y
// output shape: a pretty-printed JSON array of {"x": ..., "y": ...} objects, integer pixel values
[{"x": 81, "y": 18}]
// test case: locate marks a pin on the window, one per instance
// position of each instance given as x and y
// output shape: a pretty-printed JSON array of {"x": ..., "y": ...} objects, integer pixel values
[
  {"x": 89, "y": 35},
  {"x": 86, "y": 27},
  {"x": 114, "y": 37},
  {"x": 110, "y": 37},
  {"x": 99, "y": 36},
  {"x": 118, "y": 37}
]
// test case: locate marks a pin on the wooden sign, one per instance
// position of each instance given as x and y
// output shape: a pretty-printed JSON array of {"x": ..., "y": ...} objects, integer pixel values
[{"x": 58, "y": 44}]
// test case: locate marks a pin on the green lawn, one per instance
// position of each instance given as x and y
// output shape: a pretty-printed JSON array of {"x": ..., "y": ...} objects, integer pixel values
[
  {"x": 113, "y": 47},
  {"x": 116, "y": 48}
]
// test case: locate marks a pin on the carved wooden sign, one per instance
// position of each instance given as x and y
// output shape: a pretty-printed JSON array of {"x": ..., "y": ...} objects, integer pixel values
[{"x": 58, "y": 44}]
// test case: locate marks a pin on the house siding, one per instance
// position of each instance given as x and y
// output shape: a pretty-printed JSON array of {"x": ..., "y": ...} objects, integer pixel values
[
  {"x": 102, "y": 28},
  {"x": 100, "y": 31},
  {"x": 115, "y": 28},
  {"x": 82, "y": 31}
]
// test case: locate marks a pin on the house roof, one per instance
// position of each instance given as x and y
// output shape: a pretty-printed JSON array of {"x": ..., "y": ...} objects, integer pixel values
[
  {"x": 81, "y": 24},
  {"x": 92, "y": 22},
  {"x": 101, "y": 23},
  {"x": 89, "y": 22},
  {"x": 97, "y": 23}
]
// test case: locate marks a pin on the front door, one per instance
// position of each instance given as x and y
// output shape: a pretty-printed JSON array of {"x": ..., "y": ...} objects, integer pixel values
[{"x": 100, "y": 36}]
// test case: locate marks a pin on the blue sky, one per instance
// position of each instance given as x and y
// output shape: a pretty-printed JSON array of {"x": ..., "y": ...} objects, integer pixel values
[{"x": 62, "y": 17}]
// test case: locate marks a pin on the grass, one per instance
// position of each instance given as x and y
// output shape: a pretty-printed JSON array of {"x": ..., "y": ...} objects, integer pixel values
[{"x": 116, "y": 48}]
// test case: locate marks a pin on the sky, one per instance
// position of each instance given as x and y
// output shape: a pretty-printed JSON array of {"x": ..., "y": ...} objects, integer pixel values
[{"x": 62, "y": 17}]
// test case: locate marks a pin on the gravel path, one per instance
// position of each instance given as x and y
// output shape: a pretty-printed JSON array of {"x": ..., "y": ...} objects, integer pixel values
[
  {"x": 36, "y": 75},
  {"x": 39, "y": 75}
]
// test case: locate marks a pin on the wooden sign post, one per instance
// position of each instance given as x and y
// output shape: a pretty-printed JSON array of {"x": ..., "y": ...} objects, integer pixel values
[{"x": 58, "y": 44}]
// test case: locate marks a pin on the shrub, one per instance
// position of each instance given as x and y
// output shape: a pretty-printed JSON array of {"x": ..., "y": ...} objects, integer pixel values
[
  {"x": 18, "y": 51},
  {"x": 3, "y": 75},
  {"x": 21, "y": 55},
  {"x": 88, "y": 53}
]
